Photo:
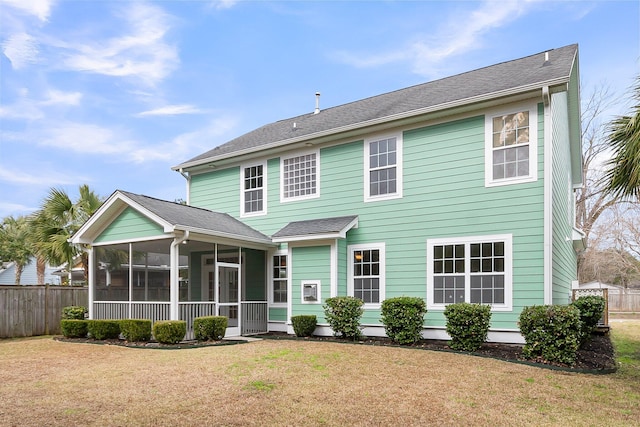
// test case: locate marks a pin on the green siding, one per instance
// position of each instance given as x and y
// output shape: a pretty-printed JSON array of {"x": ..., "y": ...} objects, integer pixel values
[
  {"x": 310, "y": 263},
  {"x": 130, "y": 224},
  {"x": 277, "y": 314},
  {"x": 444, "y": 196},
  {"x": 564, "y": 256}
]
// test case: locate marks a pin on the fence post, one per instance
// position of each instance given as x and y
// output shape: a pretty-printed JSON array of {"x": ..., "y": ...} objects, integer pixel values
[{"x": 46, "y": 309}]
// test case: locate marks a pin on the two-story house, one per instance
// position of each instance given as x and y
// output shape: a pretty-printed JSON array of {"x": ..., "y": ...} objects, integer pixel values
[{"x": 459, "y": 189}]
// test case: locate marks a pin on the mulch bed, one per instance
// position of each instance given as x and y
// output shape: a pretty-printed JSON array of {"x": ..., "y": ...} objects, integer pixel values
[{"x": 596, "y": 356}]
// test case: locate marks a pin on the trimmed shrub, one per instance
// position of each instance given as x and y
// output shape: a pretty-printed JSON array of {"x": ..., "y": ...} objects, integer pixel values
[
  {"x": 169, "y": 331},
  {"x": 103, "y": 329},
  {"x": 591, "y": 308},
  {"x": 467, "y": 325},
  {"x": 304, "y": 324},
  {"x": 136, "y": 329},
  {"x": 343, "y": 315},
  {"x": 551, "y": 332},
  {"x": 74, "y": 312},
  {"x": 403, "y": 318},
  {"x": 207, "y": 328},
  {"x": 74, "y": 328}
]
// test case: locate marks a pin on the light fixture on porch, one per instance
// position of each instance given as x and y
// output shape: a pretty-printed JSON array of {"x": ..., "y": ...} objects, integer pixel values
[{"x": 358, "y": 256}]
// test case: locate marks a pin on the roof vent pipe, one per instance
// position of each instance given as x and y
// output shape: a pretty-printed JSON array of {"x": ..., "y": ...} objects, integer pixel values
[
  {"x": 317, "y": 110},
  {"x": 546, "y": 59}
]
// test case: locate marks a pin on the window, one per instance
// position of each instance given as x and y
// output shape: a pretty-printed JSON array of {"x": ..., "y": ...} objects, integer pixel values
[
  {"x": 279, "y": 280},
  {"x": 511, "y": 146},
  {"x": 253, "y": 190},
  {"x": 367, "y": 273},
  {"x": 300, "y": 177},
  {"x": 383, "y": 168},
  {"x": 475, "y": 270},
  {"x": 310, "y": 291}
]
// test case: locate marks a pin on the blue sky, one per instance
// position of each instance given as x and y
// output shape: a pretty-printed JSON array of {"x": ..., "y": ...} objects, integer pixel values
[{"x": 113, "y": 93}]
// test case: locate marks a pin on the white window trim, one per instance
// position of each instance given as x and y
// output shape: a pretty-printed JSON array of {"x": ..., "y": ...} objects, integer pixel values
[
  {"x": 318, "y": 285},
  {"x": 271, "y": 266},
  {"x": 532, "y": 108},
  {"x": 508, "y": 268},
  {"x": 382, "y": 271},
  {"x": 399, "y": 157},
  {"x": 305, "y": 197},
  {"x": 244, "y": 214}
]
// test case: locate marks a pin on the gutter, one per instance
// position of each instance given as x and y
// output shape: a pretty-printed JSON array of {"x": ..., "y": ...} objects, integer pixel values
[{"x": 380, "y": 120}]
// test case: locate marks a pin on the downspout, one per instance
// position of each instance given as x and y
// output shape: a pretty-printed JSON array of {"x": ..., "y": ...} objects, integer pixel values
[
  {"x": 174, "y": 280},
  {"x": 188, "y": 183},
  {"x": 548, "y": 197},
  {"x": 91, "y": 279}
]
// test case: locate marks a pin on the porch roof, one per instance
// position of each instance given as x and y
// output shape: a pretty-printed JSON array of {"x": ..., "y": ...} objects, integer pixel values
[
  {"x": 316, "y": 229},
  {"x": 171, "y": 217}
]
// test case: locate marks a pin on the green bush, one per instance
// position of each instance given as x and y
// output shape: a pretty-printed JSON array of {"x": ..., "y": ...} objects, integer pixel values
[
  {"x": 74, "y": 312},
  {"x": 591, "y": 308},
  {"x": 551, "y": 332},
  {"x": 73, "y": 328},
  {"x": 343, "y": 315},
  {"x": 103, "y": 329},
  {"x": 403, "y": 318},
  {"x": 136, "y": 329},
  {"x": 467, "y": 325},
  {"x": 209, "y": 327},
  {"x": 304, "y": 325},
  {"x": 169, "y": 331}
]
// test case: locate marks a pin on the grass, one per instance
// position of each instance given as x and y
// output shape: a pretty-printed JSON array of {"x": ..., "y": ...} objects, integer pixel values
[{"x": 45, "y": 382}]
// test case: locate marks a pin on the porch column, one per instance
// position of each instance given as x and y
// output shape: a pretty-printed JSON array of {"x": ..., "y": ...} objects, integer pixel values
[
  {"x": 174, "y": 282},
  {"x": 91, "y": 279}
]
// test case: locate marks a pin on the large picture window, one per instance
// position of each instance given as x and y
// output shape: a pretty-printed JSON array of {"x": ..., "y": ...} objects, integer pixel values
[
  {"x": 300, "y": 176},
  {"x": 383, "y": 168},
  {"x": 474, "y": 270},
  {"x": 253, "y": 191},
  {"x": 511, "y": 146},
  {"x": 367, "y": 273}
]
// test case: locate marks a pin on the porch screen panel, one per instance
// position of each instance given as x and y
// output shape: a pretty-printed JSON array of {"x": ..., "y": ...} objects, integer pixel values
[
  {"x": 111, "y": 270},
  {"x": 151, "y": 271}
]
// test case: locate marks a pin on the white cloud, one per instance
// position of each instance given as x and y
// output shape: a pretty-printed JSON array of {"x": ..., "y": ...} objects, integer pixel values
[
  {"x": 42, "y": 178},
  {"x": 84, "y": 138},
  {"x": 171, "y": 110},
  {"x": 223, "y": 4},
  {"x": 57, "y": 97},
  {"x": 21, "y": 49},
  {"x": 460, "y": 34},
  {"x": 30, "y": 109},
  {"x": 142, "y": 52},
  {"x": 41, "y": 9}
]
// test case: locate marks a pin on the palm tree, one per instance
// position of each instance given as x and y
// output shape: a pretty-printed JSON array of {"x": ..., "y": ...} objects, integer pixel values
[
  {"x": 623, "y": 177},
  {"x": 15, "y": 243},
  {"x": 57, "y": 220}
]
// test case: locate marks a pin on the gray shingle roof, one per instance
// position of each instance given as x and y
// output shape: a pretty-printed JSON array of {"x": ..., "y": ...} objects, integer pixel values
[
  {"x": 190, "y": 217},
  {"x": 315, "y": 227},
  {"x": 513, "y": 76}
]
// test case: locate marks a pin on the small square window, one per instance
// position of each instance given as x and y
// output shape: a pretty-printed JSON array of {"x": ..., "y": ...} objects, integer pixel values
[{"x": 310, "y": 292}]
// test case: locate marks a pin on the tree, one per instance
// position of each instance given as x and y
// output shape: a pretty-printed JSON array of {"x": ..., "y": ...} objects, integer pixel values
[
  {"x": 623, "y": 176},
  {"x": 57, "y": 220},
  {"x": 15, "y": 244}
]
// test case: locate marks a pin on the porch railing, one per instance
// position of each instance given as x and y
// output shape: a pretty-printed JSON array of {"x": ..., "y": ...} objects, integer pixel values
[
  {"x": 254, "y": 317},
  {"x": 190, "y": 310}
]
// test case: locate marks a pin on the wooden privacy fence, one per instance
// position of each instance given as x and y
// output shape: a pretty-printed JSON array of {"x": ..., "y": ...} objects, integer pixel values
[
  {"x": 35, "y": 310},
  {"x": 625, "y": 301}
]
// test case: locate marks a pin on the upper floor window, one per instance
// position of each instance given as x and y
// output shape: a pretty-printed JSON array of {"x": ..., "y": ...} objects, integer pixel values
[
  {"x": 367, "y": 273},
  {"x": 511, "y": 146},
  {"x": 383, "y": 167},
  {"x": 473, "y": 269},
  {"x": 253, "y": 189},
  {"x": 300, "y": 177}
]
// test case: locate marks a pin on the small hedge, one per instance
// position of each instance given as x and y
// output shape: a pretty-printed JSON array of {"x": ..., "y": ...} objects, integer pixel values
[
  {"x": 74, "y": 312},
  {"x": 591, "y": 308},
  {"x": 73, "y": 328},
  {"x": 103, "y": 329},
  {"x": 136, "y": 329},
  {"x": 551, "y": 332},
  {"x": 343, "y": 315},
  {"x": 467, "y": 325},
  {"x": 304, "y": 325},
  {"x": 207, "y": 328},
  {"x": 169, "y": 331},
  {"x": 403, "y": 318}
]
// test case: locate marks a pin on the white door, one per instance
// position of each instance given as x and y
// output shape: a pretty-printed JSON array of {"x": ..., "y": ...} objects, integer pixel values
[{"x": 229, "y": 296}]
